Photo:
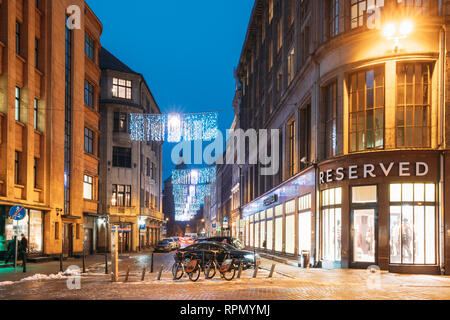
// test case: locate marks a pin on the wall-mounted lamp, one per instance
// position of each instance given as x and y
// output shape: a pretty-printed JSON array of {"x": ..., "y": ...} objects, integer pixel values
[{"x": 397, "y": 31}]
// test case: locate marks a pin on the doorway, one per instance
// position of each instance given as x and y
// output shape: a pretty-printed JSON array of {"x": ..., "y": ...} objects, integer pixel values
[
  {"x": 67, "y": 240},
  {"x": 88, "y": 241}
]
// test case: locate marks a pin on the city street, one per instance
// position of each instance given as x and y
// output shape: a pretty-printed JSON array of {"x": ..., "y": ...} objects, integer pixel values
[{"x": 288, "y": 283}]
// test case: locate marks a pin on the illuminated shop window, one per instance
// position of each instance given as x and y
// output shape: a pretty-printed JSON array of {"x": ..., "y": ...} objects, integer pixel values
[
  {"x": 413, "y": 105},
  {"x": 290, "y": 227},
  {"x": 121, "y": 88},
  {"x": 279, "y": 228},
  {"x": 331, "y": 224},
  {"x": 247, "y": 232},
  {"x": 252, "y": 225},
  {"x": 262, "y": 230},
  {"x": 270, "y": 229},
  {"x": 366, "y": 99},
  {"x": 304, "y": 223},
  {"x": 413, "y": 224}
]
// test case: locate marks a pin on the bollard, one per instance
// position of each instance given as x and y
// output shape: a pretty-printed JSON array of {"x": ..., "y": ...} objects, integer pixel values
[
  {"x": 24, "y": 262},
  {"x": 61, "y": 263},
  {"x": 106, "y": 262},
  {"x": 255, "y": 273},
  {"x": 272, "y": 271},
  {"x": 160, "y": 272},
  {"x": 128, "y": 274},
  {"x": 239, "y": 271},
  {"x": 143, "y": 274},
  {"x": 151, "y": 266},
  {"x": 84, "y": 261}
]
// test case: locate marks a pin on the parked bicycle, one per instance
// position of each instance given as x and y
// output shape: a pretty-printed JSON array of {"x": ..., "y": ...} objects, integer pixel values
[
  {"x": 227, "y": 270},
  {"x": 179, "y": 266}
]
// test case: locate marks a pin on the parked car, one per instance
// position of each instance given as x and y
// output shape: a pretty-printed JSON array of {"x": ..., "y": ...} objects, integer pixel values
[
  {"x": 187, "y": 240},
  {"x": 231, "y": 241},
  {"x": 173, "y": 243},
  {"x": 177, "y": 242},
  {"x": 164, "y": 246},
  {"x": 247, "y": 257}
]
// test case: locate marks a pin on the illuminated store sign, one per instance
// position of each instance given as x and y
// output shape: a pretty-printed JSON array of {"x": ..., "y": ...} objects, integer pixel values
[{"x": 405, "y": 169}]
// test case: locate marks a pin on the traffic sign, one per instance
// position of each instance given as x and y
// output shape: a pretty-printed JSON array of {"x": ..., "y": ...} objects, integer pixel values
[{"x": 17, "y": 213}]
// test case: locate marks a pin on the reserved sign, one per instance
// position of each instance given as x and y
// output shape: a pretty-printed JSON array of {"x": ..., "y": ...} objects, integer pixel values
[{"x": 405, "y": 169}]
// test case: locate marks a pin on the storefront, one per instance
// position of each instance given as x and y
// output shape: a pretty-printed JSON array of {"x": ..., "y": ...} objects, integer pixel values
[
  {"x": 32, "y": 226},
  {"x": 381, "y": 210}
]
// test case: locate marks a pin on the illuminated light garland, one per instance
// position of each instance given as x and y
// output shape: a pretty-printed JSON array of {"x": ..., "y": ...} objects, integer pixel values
[
  {"x": 187, "y": 127},
  {"x": 194, "y": 176}
]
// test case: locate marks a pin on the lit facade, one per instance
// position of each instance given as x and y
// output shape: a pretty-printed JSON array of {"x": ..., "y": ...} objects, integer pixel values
[
  {"x": 43, "y": 112},
  {"x": 364, "y": 135},
  {"x": 131, "y": 187}
]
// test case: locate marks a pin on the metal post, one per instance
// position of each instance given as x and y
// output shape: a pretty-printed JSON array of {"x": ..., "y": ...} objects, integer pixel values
[
  {"x": 84, "y": 260},
  {"x": 272, "y": 271},
  {"x": 24, "y": 262},
  {"x": 160, "y": 272},
  {"x": 61, "y": 263},
  {"x": 143, "y": 274},
  {"x": 151, "y": 266},
  {"x": 239, "y": 271},
  {"x": 114, "y": 257},
  {"x": 16, "y": 246},
  {"x": 255, "y": 273},
  {"x": 128, "y": 274}
]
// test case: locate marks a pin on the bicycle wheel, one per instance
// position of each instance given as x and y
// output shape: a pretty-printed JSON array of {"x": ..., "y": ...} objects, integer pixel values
[
  {"x": 230, "y": 274},
  {"x": 210, "y": 270},
  {"x": 177, "y": 271},
  {"x": 194, "y": 275}
]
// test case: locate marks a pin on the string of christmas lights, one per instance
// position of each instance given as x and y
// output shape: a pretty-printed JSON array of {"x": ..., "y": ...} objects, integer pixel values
[{"x": 194, "y": 176}]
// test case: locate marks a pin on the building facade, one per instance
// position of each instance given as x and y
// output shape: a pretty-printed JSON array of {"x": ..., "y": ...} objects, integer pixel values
[
  {"x": 44, "y": 109},
  {"x": 358, "y": 92},
  {"x": 131, "y": 186}
]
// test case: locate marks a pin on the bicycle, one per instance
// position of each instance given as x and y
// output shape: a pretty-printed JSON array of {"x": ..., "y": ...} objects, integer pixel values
[
  {"x": 178, "y": 268},
  {"x": 195, "y": 267},
  {"x": 227, "y": 270}
]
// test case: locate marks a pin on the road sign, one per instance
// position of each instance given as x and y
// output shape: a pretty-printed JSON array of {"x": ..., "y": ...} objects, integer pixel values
[
  {"x": 17, "y": 213},
  {"x": 225, "y": 222}
]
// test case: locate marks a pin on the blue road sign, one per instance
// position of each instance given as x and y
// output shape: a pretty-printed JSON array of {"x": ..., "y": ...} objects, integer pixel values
[{"x": 17, "y": 213}]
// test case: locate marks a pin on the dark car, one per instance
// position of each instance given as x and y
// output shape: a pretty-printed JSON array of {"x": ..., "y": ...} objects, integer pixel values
[
  {"x": 164, "y": 246},
  {"x": 236, "y": 243},
  {"x": 203, "y": 249}
]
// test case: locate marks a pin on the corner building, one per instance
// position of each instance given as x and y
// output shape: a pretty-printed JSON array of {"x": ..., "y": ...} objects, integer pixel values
[
  {"x": 364, "y": 132},
  {"x": 45, "y": 69}
]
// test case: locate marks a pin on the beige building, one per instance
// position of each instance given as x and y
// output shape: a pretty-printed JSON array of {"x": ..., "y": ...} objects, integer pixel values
[
  {"x": 49, "y": 87},
  {"x": 131, "y": 187}
]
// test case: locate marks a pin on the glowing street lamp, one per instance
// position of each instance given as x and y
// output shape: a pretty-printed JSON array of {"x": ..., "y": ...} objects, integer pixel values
[{"x": 395, "y": 32}]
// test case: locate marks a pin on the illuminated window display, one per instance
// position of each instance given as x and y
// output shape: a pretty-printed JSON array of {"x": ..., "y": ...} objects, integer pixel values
[
  {"x": 279, "y": 228},
  {"x": 257, "y": 231},
  {"x": 331, "y": 224},
  {"x": 304, "y": 223},
  {"x": 252, "y": 225},
  {"x": 262, "y": 230},
  {"x": 31, "y": 226},
  {"x": 270, "y": 229},
  {"x": 247, "y": 232},
  {"x": 290, "y": 227},
  {"x": 413, "y": 224}
]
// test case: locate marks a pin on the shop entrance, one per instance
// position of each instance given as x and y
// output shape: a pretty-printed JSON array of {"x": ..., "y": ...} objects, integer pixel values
[
  {"x": 364, "y": 216},
  {"x": 125, "y": 240},
  {"x": 68, "y": 240}
]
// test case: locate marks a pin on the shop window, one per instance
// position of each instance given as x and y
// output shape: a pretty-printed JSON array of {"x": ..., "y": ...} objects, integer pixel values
[
  {"x": 35, "y": 239},
  {"x": 366, "y": 99},
  {"x": 290, "y": 227},
  {"x": 262, "y": 229},
  {"x": 331, "y": 224},
  {"x": 269, "y": 217},
  {"x": 257, "y": 234},
  {"x": 304, "y": 223},
  {"x": 413, "y": 224},
  {"x": 413, "y": 118},
  {"x": 365, "y": 194},
  {"x": 247, "y": 232},
  {"x": 252, "y": 226}
]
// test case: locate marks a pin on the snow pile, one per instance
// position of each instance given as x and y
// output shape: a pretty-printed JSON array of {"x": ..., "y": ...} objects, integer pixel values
[
  {"x": 6, "y": 283},
  {"x": 39, "y": 276}
]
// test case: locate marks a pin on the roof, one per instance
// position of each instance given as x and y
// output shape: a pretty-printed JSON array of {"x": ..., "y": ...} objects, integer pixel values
[{"x": 110, "y": 62}]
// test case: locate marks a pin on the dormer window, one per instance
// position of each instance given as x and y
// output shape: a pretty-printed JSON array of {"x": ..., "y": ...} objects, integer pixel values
[{"x": 121, "y": 88}]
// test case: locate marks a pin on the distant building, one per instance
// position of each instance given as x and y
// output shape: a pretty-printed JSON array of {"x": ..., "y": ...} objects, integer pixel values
[
  {"x": 49, "y": 88},
  {"x": 131, "y": 172}
]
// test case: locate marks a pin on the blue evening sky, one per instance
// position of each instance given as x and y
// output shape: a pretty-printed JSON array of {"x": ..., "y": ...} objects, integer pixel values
[{"x": 186, "y": 50}]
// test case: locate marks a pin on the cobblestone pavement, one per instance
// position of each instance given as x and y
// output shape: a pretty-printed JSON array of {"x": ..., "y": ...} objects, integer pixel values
[{"x": 289, "y": 283}]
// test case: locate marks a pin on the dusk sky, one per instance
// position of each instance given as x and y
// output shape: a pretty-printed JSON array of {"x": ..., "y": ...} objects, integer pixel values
[{"x": 186, "y": 50}]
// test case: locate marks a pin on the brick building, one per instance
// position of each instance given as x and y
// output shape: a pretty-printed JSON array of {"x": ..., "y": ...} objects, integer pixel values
[{"x": 49, "y": 88}]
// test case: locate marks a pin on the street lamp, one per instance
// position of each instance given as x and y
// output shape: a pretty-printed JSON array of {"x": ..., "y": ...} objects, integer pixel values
[{"x": 396, "y": 31}]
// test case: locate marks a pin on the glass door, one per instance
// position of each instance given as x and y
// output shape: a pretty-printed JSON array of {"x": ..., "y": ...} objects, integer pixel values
[{"x": 364, "y": 235}]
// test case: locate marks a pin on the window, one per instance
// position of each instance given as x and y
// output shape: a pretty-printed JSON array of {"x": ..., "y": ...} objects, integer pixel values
[
  {"x": 88, "y": 188},
  {"x": 417, "y": 7},
  {"x": 17, "y": 168},
  {"x": 36, "y": 113},
  {"x": 17, "y": 104},
  {"x": 331, "y": 116},
  {"x": 89, "y": 47},
  {"x": 413, "y": 105},
  {"x": 366, "y": 99},
  {"x": 413, "y": 224},
  {"x": 291, "y": 65},
  {"x": 56, "y": 230},
  {"x": 304, "y": 223},
  {"x": 269, "y": 226},
  {"x": 280, "y": 35},
  {"x": 36, "y": 52},
  {"x": 121, "y": 157},
  {"x": 280, "y": 80},
  {"x": 78, "y": 231},
  {"x": 35, "y": 172},
  {"x": 291, "y": 148},
  {"x": 333, "y": 22},
  {"x": 88, "y": 141},
  {"x": 88, "y": 94},
  {"x": 120, "y": 122},
  {"x": 121, "y": 196},
  {"x": 270, "y": 55},
  {"x": 148, "y": 167},
  {"x": 291, "y": 12},
  {"x": 358, "y": 8},
  {"x": 290, "y": 227},
  {"x": 121, "y": 88},
  {"x": 279, "y": 228},
  {"x": 17, "y": 37},
  {"x": 331, "y": 224},
  {"x": 270, "y": 11},
  {"x": 305, "y": 136}
]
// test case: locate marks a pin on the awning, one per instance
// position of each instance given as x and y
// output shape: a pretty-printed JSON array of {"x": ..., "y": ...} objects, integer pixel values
[{"x": 71, "y": 217}]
